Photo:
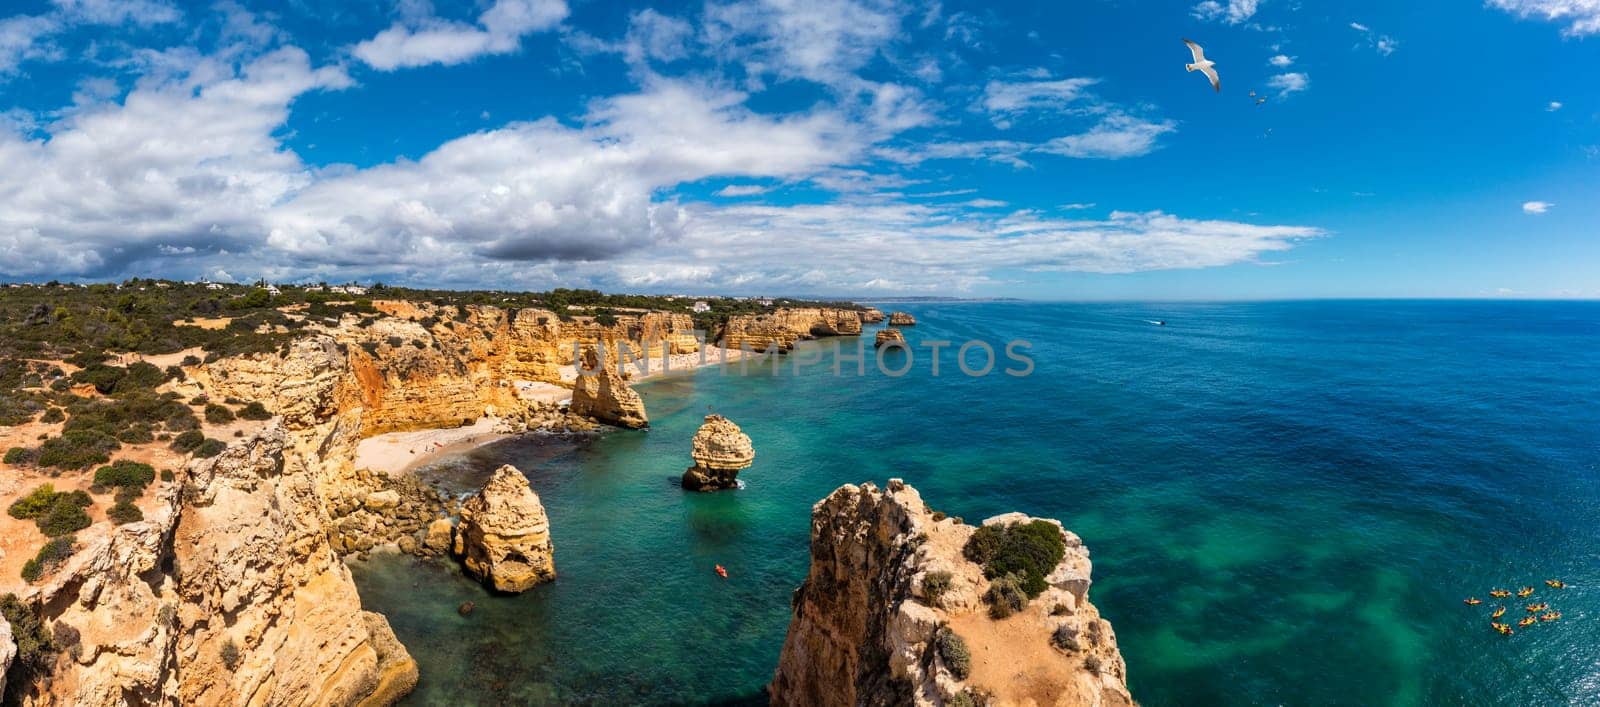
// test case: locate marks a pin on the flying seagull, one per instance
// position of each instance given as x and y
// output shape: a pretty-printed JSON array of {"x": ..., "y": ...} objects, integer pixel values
[{"x": 1203, "y": 65}]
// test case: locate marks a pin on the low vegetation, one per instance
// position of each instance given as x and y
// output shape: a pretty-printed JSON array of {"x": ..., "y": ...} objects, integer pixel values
[
  {"x": 934, "y": 585},
  {"x": 55, "y": 512},
  {"x": 1030, "y": 551},
  {"x": 34, "y": 645},
  {"x": 1005, "y": 596},
  {"x": 125, "y": 474},
  {"x": 954, "y": 652},
  {"x": 53, "y": 553}
]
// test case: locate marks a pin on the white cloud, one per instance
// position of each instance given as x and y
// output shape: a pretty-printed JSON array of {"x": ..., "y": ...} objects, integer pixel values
[
  {"x": 742, "y": 190},
  {"x": 27, "y": 37},
  {"x": 1554, "y": 106},
  {"x": 1116, "y": 137},
  {"x": 1281, "y": 61},
  {"x": 1077, "y": 206},
  {"x": 1582, "y": 17},
  {"x": 1293, "y": 82},
  {"x": 1005, "y": 100},
  {"x": 1235, "y": 12},
  {"x": 1381, "y": 43},
  {"x": 1536, "y": 207},
  {"x": 430, "y": 40}
]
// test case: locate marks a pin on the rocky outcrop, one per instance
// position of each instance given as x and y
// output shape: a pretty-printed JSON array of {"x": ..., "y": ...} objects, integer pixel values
[
  {"x": 902, "y": 319},
  {"x": 887, "y": 336},
  {"x": 891, "y": 613},
  {"x": 871, "y": 315},
  {"x": 8, "y": 652},
  {"x": 503, "y": 537},
  {"x": 781, "y": 328},
  {"x": 601, "y": 393},
  {"x": 721, "y": 450}
]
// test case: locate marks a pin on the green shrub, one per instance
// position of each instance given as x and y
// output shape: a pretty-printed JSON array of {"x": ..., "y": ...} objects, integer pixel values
[
  {"x": 35, "y": 504},
  {"x": 52, "y": 416},
  {"x": 210, "y": 448},
  {"x": 20, "y": 455},
  {"x": 104, "y": 378},
  {"x": 934, "y": 585},
  {"x": 1029, "y": 550},
  {"x": 166, "y": 475},
  {"x": 1005, "y": 596},
  {"x": 124, "y": 512},
  {"x": 218, "y": 414},
  {"x": 954, "y": 652},
  {"x": 140, "y": 376},
  {"x": 137, "y": 434},
  {"x": 1060, "y": 609},
  {"x": 125, "y": 473},
  {"x": 188, "y": 441},
  {"x": 66, "y": 515},
  {"x": 53, "y": 553},
  {"x": 968, "y": 698},
  {"x": 191, "y": 360},
  {"x": 77, "y": 449},
  {"x": 229, "y": 654},
  {"x": 254, "y": 411},
  {"x": 33, "y": 639}
]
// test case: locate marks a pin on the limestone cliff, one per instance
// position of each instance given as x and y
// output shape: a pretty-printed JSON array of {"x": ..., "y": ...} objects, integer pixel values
[
  {"x": 601, "y": 392},
  {"x": 781, "y": 328},
  {"x": 721, "y": 450},
  {"x": 871, "y": 315},
  {"x": 8, "y": 652},
  {"x": 503, "y": 538},
  {"x": 890, "y": 613},
  {"x": 887, "y": 336},
  {"x": 902, "y": 319}
]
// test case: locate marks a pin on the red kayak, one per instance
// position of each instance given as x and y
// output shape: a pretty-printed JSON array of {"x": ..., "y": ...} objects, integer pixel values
[{"x": 722, "y": 572}]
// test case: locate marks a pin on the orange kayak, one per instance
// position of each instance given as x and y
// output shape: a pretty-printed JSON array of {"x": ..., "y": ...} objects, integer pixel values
[{"x": 723, "y": 573}]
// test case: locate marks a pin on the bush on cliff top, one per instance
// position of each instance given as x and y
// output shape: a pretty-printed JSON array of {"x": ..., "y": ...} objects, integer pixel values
[
  {"x": 188, "y": 441},
  {"x": 218, "y": 414},
  {"x": 124, "y": 512},
  {"x": 33, "y": 645},
  {"x": 254, "y": 411},
  {"x": 53, "y": 553},
  {"x": 66, "y": 515},
  {"x": 1005, "y": 596},
  {"x": 125, "y": 473},
  {"x": 954, "y": 652},
  {"x": 1029, "y": 550},
  {"x": 210, "y": 448},
  {"x": 934, "y": 585}
]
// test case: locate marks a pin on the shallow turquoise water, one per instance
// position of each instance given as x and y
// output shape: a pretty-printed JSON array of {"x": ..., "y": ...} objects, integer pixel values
[{"x": 1286, "y": 503}]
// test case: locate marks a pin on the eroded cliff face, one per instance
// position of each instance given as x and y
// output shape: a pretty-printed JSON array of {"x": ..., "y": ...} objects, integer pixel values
[
  {"x": 781, "y": 328},
  {"x": 868, "y": 630},
  {"x": 600, "y": 392}
]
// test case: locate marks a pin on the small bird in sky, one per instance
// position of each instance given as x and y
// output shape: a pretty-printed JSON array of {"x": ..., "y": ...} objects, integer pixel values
[
  {"x": 1203, "y": 65},
  {"x": 1260, "y": 101},
  {"x": 1252, "y": 93}
]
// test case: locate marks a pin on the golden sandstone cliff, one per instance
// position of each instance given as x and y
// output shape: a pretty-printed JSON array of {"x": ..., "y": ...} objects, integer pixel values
[
  {"x": 781, "y": 328},
  {"x": 891, "y": 613}
]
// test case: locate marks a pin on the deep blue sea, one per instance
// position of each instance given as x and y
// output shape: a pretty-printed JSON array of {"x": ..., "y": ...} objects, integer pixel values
[{"x": 1286, "y": 504}]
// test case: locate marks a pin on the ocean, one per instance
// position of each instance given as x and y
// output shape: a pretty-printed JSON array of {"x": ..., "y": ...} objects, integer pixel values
[{"x": 1285, "y": 504}]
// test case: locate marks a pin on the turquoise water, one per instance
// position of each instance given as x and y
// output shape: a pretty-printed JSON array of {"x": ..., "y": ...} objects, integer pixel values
[{"x": 1286, "y": 503}]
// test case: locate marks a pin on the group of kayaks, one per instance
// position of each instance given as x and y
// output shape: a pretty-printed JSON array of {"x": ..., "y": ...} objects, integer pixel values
[{"x": 1537, "y": 613}]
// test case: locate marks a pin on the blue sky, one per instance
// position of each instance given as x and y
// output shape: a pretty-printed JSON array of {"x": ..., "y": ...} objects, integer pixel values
[{"x": 831, "y": 147}]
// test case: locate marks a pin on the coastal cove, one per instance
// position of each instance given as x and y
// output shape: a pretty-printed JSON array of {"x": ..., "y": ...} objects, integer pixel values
[{"x": 1277, "y": 497}]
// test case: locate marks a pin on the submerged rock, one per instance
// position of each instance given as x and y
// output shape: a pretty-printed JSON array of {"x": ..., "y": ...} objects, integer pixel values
[
  {"x": 888, "y": 336},
  {"x": 601, "y": 393},
  {"x": 891, "y": 612},
  {"x": 503, "y": 538},
  {"x": 721, "y": 450},
  {"x": 902, "y": 319}
]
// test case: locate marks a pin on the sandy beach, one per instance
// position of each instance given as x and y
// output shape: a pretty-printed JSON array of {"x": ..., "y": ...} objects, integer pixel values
[{"x": 398, "y": 452}]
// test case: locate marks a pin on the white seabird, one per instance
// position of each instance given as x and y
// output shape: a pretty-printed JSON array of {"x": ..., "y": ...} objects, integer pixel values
[{"x": 1203, "y": 65}]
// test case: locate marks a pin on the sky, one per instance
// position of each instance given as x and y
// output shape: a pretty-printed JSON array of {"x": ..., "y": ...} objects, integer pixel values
[{"x": 857, "y": 148}]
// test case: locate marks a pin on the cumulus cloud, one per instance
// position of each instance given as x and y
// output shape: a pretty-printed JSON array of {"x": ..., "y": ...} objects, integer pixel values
[
  {"x": 1005, "y": 100},
  {"x": 1235, "y": 12},
  {"x": 28, "y": 37},
  {"x": 1536, "y": 207},
  {"x": 1581, "y": 17},
  {"x": 1281, "y": 61},
  {"x": 1554, "y": 106},
  {"x": 431, "y": 40},
  {"x": 1289, "y": 83},
  {"x": 737, "y": 190}
]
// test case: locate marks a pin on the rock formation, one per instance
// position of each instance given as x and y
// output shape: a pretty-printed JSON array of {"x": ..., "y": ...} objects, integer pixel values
[
  {"x": 902, "y": 319},
  {"x": 601, "y": 393},
  {"x": 781, "y": 328},
  {"x": 871, "y": 315},
  {"x": 888, "y": 335},
  {"x": 503, "y": 538},
  {"x": 721, "y": 449},
  {"x": 8, "y": 651},
  {"x": 891, "y": 613}
]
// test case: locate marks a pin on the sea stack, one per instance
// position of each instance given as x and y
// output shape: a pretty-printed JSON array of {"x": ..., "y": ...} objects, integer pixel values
[
  {"x": 902, "y": 319},
  {"x": 887, "y": 336},
  {"x": 721, "y": 450},
  {"x": 503, "y": 538},
  {"x": 601, "y": 393},
  {"x": 871, "y": 315},
  {"x": 893, "y": 612}
]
